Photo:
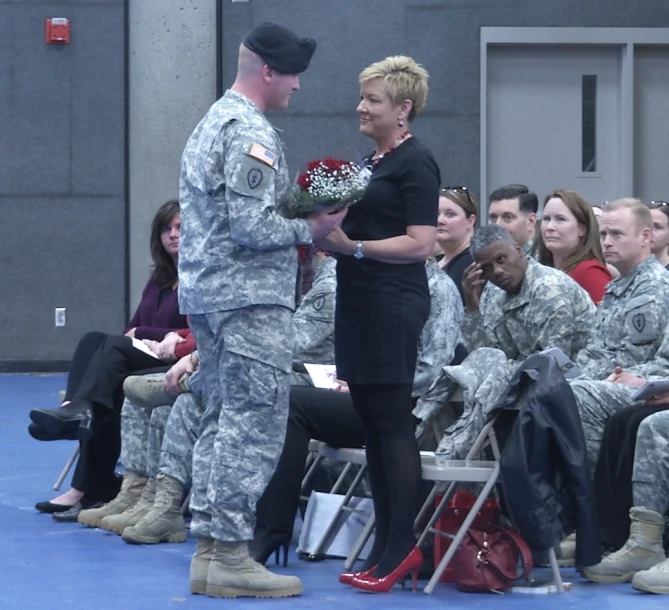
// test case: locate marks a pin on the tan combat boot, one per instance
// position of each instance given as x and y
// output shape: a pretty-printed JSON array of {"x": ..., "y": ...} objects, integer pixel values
[
  {"x": 232, "y": 573},
  {"x": 199, "y": 565},
  {"x": 642, "y": 550},
  {"x": 131, "y": 489},
  {"x": 655, "y": 580},
  {"x": 164, "y": 521},
  {"x": 132, "y": 514}
]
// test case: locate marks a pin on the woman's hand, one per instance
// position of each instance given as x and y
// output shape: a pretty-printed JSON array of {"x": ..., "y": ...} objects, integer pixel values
[
  {"x": 337, "y": 241},
  {"x": 131, "y": 333},
  {"x": 165, "y": 349},
  {"x": 472, "y": 286}
]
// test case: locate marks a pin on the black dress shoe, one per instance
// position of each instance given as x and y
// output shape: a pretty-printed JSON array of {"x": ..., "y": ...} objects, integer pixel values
[
  {"x": 70, "y": 515},
  {"x": 267, "y": 541},
  {"x": 60, "y": 423},
  {"x": 39, "y": 434},
  {"x": 50, "y": 508}
]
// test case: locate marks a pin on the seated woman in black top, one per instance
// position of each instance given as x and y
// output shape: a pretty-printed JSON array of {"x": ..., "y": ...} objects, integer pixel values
[
  {"x": 383, "y": 302},
  {"x": 458, "y": 211}
]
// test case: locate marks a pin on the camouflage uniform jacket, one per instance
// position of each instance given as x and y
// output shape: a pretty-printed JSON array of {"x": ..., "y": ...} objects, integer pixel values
[
  {"x": 551, "y": 310},
  {"x": 442, "y": 331},
  {"x": 313, "y": 322},
  {"x": 630, "y": 325},
  {"x": 236, "y": 250}
]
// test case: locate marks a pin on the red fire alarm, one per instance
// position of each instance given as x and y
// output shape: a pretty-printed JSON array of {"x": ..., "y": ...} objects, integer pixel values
[{"x": 57, "y": 30}]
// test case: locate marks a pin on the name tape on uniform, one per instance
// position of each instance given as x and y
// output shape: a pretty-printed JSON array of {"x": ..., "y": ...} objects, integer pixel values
[{"x": 258, "y": 151}]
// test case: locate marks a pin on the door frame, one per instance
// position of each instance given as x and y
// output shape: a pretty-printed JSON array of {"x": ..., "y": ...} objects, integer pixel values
[{"x": 626, "y": 39}]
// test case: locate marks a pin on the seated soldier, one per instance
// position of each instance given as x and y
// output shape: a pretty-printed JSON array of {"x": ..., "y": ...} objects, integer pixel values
[
  {"x": 642, "y": 559},
  {"x": 530, "y": 309},
  {"x": 537, "y": 307},
  {"x": 144, "y": 426},
  {"x": 630, "y": 328}
]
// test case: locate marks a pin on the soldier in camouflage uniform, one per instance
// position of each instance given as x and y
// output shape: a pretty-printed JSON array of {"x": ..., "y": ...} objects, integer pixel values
[
  {"x": 237, "y": 273},
  {"x": 630, "y": 329},
  {"x": 313, "y": 322},
  {"x": 312, "y": 328},
  {"x": 537, "y": 307}
]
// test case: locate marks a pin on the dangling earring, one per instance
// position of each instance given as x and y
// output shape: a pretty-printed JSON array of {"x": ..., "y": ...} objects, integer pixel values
[{"x": 401, "y": 123}]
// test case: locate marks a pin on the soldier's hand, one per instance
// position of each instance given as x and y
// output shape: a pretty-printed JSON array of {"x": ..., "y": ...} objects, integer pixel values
[
  {"x": 184, "y": 365},
  {"x": 323, "y": 222},
  {"x": 613, "y": 377},
  {"x": 472, "y": 286},
  {"x": 625, "y": 378}
]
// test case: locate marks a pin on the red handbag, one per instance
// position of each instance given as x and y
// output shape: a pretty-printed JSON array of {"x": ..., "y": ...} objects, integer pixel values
[
  {"x": 491, "y": 560},
  {"x": 453, "y": 517}
]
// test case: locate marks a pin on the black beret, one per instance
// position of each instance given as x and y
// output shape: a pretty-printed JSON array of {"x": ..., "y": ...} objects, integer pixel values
[{"x": 281, "y": 49}]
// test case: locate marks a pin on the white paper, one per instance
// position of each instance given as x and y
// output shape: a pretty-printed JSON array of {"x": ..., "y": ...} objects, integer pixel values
[
  {"x": 323, "y": 375},
  {"x": 139, "y": 344}
]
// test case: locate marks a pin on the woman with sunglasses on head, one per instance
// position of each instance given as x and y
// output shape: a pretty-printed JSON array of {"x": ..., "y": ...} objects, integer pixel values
[
  {"x": 458, "y": 211},
  {"x": 569, "y": 240},
  {"x": 659, "y": 244}
]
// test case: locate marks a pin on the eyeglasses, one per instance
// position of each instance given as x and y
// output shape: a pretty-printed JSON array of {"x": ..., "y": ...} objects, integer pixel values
[
  {"x": 657, "y": 204},
  {"x": 457, "y": 189}
]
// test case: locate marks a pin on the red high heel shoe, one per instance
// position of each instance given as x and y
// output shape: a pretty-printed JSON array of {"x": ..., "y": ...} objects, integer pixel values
[
  {"x": 411, "y": 564},
  {"x": 345, "y": 578}
]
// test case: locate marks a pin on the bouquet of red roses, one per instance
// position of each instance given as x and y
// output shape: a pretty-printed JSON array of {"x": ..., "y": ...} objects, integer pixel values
[{"x": 326, "y": 183}]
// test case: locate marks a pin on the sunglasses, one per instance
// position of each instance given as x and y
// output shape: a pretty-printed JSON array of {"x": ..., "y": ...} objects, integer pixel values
[
  {"x": 456, "y": 189},
  {"x": 657, "y": 204}
]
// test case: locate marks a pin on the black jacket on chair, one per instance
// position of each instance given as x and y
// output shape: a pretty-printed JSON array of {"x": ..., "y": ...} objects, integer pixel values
[{"x": 544, "y": 469}]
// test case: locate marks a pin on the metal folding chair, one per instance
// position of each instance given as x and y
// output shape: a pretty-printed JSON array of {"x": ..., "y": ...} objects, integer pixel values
[
  {"x": 352, "y": 458},
  {"x": 465, "y": 471},
  {"x": 66, "y": 469}
]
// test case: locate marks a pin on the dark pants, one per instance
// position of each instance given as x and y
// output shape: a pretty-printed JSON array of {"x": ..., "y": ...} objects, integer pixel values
[
  {"x": 314, "y": 413},
  {"x": 86, "y": 348},
  {"x": 613, "y": 475},
  {"x": 102, "y": 385}
]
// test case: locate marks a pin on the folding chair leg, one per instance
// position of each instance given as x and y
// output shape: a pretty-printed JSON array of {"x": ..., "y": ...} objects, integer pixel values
[
  {"x": 322, "y": 543},
  {"x": 471, "y": 515},
  {"x": 556, "y": 570},
  {"x": 66, "y": 469},
  {"x": 360, "y": 542},
  {"x": 340, "y": 479}
]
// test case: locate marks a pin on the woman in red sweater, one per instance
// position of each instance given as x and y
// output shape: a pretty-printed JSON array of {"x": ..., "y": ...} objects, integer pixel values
[{"x": 569, "y": 240}]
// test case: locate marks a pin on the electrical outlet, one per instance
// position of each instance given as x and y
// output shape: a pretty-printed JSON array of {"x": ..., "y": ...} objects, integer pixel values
[{"x": 61, "y": 316}]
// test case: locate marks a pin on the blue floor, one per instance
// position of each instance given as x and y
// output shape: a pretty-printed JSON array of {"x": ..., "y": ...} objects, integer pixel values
[{"x": 47, "y": 565}]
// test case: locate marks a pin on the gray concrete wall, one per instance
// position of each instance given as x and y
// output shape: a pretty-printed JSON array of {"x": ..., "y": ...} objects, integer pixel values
[
  {"x": 62, "y": 176},
  {"x": 172, "y": 84},
  {"x": 443, "y": 35}
]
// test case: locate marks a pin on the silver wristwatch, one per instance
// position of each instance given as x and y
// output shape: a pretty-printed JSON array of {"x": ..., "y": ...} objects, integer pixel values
[{"x": 358, "y": 250}]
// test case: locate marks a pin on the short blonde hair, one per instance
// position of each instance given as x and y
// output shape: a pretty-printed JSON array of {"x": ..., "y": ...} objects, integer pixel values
[
  {"x": 403, "y": 79},
  {"x": 641, "y": 213}
]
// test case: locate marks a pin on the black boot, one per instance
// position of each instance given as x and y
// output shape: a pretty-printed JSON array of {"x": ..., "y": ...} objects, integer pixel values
[{"x": 267, "y": 541}]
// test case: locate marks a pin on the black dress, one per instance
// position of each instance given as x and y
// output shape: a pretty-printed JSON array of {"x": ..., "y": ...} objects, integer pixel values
[
  {"x": 381, "y": 308},
  {"x": 455, "y": 268}
]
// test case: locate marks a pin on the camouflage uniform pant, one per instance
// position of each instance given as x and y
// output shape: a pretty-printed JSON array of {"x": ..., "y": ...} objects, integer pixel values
[
  {"x": 650, "y": 477},
  {"x": 596, "y": 402},
  {"x": 142, "y": 432},
  {"x": 181, "y": 433},
  {"x": 245, "y": 364}
]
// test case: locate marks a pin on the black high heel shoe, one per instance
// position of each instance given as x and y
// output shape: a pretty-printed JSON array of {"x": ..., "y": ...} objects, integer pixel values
[{"x": 268, "y": 541}]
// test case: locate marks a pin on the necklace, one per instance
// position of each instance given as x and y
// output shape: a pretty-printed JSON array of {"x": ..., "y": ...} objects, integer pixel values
[{"x": 403, "y": 136}]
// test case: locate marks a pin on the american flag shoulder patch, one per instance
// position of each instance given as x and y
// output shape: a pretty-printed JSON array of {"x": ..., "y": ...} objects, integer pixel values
[{"x": 258, "y": 151}]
